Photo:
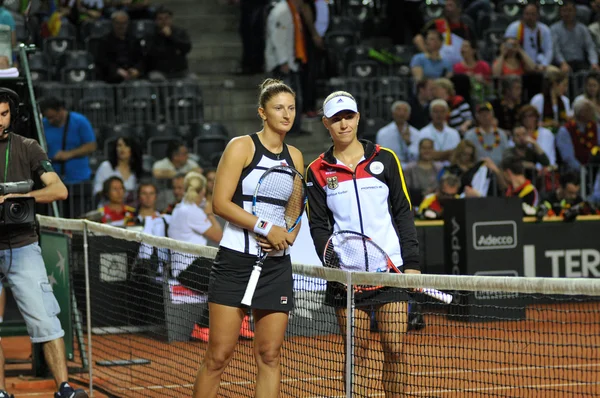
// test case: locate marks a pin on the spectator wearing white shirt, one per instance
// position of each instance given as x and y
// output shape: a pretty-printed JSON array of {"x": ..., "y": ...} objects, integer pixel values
[
  {"x": 124, "y": 161},
  {"x": 533, "y": 36},
  {"x": 574, "y": 48},
  {"x": 444, "y": 138},
  {"x": 189, "y": 223},
  {"x": 528, "y": 117},
  {"x": 399, "y": 136},
  {"x": 552, "y": 104},
  {"x": 176, "y": 162}
]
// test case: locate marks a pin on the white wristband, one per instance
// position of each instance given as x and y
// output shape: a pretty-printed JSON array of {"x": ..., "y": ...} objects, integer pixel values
[{"x": 262, "y": 227}]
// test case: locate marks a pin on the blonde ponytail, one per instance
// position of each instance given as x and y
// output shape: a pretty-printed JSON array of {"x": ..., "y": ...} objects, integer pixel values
[{"x": 193, "y": 184}]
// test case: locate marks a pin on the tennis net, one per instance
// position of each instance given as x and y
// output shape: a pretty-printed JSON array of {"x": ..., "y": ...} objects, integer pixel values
[{"x": 144, "y": 327}]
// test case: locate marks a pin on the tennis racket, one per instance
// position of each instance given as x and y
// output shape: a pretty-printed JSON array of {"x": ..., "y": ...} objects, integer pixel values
[
  {"x": 279, "y": 198},
  {"x": 355, "y": 252}
]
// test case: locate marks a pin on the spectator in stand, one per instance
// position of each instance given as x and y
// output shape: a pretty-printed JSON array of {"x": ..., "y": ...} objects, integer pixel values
[
  {"x": 508, "y": 103},
  {"x": 421, "y": 176},
  {"x": 119, "y": 54},
  {"x": 124, "y": 161},
  {"x": 189, "y": 223},
  {"x": 591, "y": 90},
  {"x": 455, "y": 28},
  {"x": 595, "y": 26},
  {"x": 489, "y": 141},
  {"x": 474, "y": 175},
  {"x": 70, "y": 139},
  {"x": 147, "y": 194},
  {"x": 6, "y": 18},
  {"x": 173, "y": 196},
  {"x": 513, "y": 60},
  {"x": 578, "y": 139},
  {"x": 419, "y": 104},
  {"x": 444, "y": 137},
  {"x": 529, "y": 117},
  {"x": 252, "y": 32},
  {"x": 471, "y": 65},
  {"x": 136, "y": 9},
  {"x": 286, "y": 53},
  {"x": 177, "y": 161},
  {"x": 519, "y": 186},
  {"x": 430, "y": 64},
  {"x": 89, "y": 10},
  {"x": 461, "y": 117},
  {"x": 527, "y": 151},
  {"x": 574, "y": 48},
  {"x": 552, "y": 104},
  {"x": 115, "y": 211},
  {"x": 432, "y": 206},
  {"x": 314, "y": 52},
  {"x": 210, "y": 175},
  {"x": 404, "y": 13},
  {"x": 398, "y": 135},
  {"x": 565, "y": 196},
  {"x": 167, "y": 48},
  {"x": 533, "y": 36}
]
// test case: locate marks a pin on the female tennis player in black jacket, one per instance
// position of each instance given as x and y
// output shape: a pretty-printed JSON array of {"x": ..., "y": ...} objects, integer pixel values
[{"x": 359, "y": 186}]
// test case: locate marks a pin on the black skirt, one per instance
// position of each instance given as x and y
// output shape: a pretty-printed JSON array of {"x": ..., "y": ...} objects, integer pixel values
[
  {"x": 336, "y": 296},
  {"x": 230, "y": 274}
]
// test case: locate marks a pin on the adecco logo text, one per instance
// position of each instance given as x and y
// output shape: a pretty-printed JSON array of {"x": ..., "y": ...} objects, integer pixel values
[{"x": 494, "y": 235}]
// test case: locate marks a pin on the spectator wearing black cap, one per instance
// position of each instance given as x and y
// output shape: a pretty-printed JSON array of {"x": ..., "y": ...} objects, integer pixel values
[
  {"x": 489, "y": 140},
  {"x": 167, "y": 49}
]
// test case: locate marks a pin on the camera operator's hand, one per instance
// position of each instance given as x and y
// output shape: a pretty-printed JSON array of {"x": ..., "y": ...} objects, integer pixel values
[
  {"x": 12, "y": 195},
  {"x": 62, "y": 156}
]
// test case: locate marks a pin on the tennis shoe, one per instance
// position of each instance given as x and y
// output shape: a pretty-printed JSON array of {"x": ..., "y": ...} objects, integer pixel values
[
  {"x": 4, "y": 394},
  {"x": 200, "y": 333},
  {"x": 66, "y": 391},
  {"x": 245, "y": 331}
]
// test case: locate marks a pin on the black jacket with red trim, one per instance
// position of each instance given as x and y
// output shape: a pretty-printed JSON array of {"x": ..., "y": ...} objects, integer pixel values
[{"x": 372, "y": 200}]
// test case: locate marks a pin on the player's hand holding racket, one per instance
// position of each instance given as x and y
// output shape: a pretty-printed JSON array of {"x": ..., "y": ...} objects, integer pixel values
[
  {"x": 278, "y": 202},
  {"x": 354, "y": 252}
]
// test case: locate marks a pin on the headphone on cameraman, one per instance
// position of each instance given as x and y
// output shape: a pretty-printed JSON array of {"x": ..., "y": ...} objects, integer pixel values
[{"x": 13, "y": 103}]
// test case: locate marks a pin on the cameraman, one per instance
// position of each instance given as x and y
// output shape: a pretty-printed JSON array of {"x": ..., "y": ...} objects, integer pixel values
[{"x": 20, "y": 255}]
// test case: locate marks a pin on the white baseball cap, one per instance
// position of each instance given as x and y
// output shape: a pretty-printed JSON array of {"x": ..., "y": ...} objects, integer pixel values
[{"x": 339, "y": 103}]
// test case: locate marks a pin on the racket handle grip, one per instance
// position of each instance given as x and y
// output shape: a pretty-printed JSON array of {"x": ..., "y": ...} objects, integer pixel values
[
  {"x": 252, "y": 282},
  {"x": 445, "y": 297}
]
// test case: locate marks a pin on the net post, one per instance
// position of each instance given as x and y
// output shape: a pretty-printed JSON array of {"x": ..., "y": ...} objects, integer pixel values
[
  {"x": 88, "y": 307},
  {"x": 349, "y": 334}
]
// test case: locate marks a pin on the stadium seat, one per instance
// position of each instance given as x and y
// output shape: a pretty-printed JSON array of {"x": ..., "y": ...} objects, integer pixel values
[
  {"x": 137, "y": 99},
  {"x": 359, "y": 64},
  {"x": 432, "y": 10},
  {"x": 77, "y": 66},
  {"x": 21, "y": 31},
  {"x": 336, "y": 44},
  {"x": 396, "y": 86},
  {"x": 157, "y": 146},
  {"x": 495, "y": 21},
  {"x": 185, "y": 101},
  {"x": 98, "y": 28},
  {"x": 339, "y": 23},
  {"x": 584, "y": 14},
  {"x": 147, "y": 162},
  {"x": 367, "y": 129},
  {"x": 493, "y": 38},
  {"x": 550, "y": 11},
  {"x": 153, "y": 130},
  {"x": 39, "y": 66},
  {"x": 61, "y": 43},
  {"x": 97, "y": 102},
  {"x": 141, "y": 28},
  {"x": 207, "y": 147},
  {"x": 209, "y": 130},
  {"x": 381, "y": 106}
]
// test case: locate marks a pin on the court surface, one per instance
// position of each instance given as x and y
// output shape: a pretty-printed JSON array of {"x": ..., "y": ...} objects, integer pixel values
[{"x": 540, "y": 356}]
